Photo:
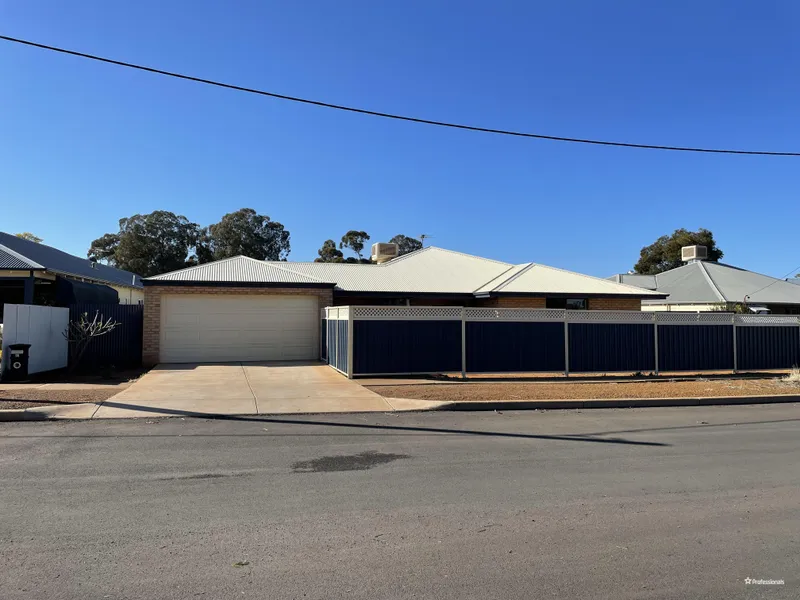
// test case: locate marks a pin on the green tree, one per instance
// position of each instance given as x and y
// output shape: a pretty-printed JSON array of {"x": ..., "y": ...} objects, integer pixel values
[
  {"x": 355, "y": 240},
  {"x": 246, "y": 233},
  {"x": 405, "y": 244},
  {"x": 27, "y": 235},
  {"x": 665, "y": 253},
  {"x": 149, "y": 244},
  {"x": 329, "y": 253}
]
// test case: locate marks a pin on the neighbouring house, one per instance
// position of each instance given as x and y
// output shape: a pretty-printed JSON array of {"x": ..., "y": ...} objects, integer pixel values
[
  {"x": 34, "y": 273},
  {"x": 702, "y": 285},
  {"x": 245, "y": 309}
]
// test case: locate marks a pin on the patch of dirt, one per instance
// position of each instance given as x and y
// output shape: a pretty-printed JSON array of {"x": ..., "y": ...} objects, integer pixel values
[
  {"x": 478, "y": 392},
  {"x": 44, "y": 397}
]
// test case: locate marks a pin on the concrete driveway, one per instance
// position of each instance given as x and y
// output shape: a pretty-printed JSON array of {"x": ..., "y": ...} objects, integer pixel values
[{"x": 241, "y": 388}]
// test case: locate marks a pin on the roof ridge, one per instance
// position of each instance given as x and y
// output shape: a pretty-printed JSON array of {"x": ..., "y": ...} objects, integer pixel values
[
  {"x": 492, "y": 260},
  {"x": 405, "y": 256},
  {"x": 483, "y": 285},
  {"x": 631, "y": 287},
  {"x": 22, "y": 257},
  {"x": 282, "y": 268},
  {"x": 711, "y": 282},
  {"x": 507, "y": 281}
]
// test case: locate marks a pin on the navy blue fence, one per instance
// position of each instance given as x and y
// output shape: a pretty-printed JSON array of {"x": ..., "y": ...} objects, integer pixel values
[
  {"x": 408, "y": 340},
  {"x": 514, "y": 347},
  {"x": 391, "y": 347},
  {"x": 122, "y": 347}
]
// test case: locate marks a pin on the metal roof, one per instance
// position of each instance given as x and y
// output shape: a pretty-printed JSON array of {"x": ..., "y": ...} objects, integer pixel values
[
  {"x": 430, "y": 270},
  {"x": 647, "y": 282},
  {"x": 541, "y": 278},
  {"x": 705, "y": 282},
  {"x": 12, "y": 260},
  {"x": 238, "y": 269},
  {"x": 40, "y": 256}
]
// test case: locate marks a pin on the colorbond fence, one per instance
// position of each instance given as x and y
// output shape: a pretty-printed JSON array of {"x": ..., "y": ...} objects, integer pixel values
[
  {"x": 122, "y": 347},
  {"x": 393, "y": 340}
]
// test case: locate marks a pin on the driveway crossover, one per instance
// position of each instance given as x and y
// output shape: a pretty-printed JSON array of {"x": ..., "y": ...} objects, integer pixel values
[{"x": 241, "y": 388}]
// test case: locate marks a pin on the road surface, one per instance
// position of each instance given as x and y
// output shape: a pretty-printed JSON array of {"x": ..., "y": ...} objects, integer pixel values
[{"x": 677, "y": 503}]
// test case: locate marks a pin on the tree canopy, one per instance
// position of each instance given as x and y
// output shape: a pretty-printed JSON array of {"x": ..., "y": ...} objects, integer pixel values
[
  {"x": 27, "y": 235},
  {"x": 665, "y": 253},
  {"x": 247, "y": 233},
  {"x": 405, "y": 244},
  {"x": 149, "y": 244},
  {"x": 355, "y": 240},
  {"x": 329, "y": 253}
]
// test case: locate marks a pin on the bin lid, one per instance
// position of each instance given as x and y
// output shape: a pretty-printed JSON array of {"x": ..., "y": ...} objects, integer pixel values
[{"x": 18, "y": 346}]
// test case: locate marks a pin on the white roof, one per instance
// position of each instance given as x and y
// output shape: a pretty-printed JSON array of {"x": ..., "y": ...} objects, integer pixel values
[
  {"x": 428, "y": 271},
  {"x": 238, "y": 269}
]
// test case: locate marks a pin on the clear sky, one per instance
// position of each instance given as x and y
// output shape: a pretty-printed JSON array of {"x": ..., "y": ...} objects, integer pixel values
[{"x": 83, "y": 144}]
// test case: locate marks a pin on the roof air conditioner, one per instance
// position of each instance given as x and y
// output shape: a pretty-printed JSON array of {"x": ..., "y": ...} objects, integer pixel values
[
  {"x": 693, "y": 253},
  {"x": 381, "y": 252}
]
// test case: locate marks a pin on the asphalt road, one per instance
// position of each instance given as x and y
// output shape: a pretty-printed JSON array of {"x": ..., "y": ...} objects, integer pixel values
[{"x": 678, "y": 503}]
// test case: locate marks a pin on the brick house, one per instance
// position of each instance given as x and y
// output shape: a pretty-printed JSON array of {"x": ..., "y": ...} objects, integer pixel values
[{"x": 241, "y": 309}]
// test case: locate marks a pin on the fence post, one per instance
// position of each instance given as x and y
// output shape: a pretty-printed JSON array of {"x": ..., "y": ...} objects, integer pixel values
[
  {"x": 463, "y": 343},
  {"x": 350, "y": 340},
  {"x": 655, "y": 339},
  {"x": 566, "y": 344},
  {"x": 735, "y": 350}
]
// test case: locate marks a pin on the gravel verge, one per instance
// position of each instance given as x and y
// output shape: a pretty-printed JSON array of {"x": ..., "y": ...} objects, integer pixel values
[
  {"x": 44, "y": 397},
  {"x": 481, "y": 392}
]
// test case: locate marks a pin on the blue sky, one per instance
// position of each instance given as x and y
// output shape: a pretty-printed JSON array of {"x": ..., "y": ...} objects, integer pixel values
[{"x": 83, "y": 144}]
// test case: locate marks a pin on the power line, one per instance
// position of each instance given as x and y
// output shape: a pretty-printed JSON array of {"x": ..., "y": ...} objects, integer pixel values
[
  {"x": 384, "y": 115},
  {"x": 770, "y": 284}
]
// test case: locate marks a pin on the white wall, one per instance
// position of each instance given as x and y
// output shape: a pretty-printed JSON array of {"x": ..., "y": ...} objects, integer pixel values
[
  {"x": 681, "y": 307},
  {"x": 129, "y": 295},
  {"x": 41, "y": 326}
]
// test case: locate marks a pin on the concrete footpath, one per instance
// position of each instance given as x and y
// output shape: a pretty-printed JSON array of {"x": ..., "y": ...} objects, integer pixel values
[{"x": 117, "y": 409}]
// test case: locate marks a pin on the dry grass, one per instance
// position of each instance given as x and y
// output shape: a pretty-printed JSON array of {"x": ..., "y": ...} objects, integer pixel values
[{"x": 793, "y": 378}]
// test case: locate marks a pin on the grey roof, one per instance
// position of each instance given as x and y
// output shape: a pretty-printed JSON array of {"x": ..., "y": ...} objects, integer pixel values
[
  {"x": 238, "y": 269},
  {"x": 430, "y": 270},
  {"x": 647, "y": 282},
  {"x": 41, "y": 257},
  {"x": 711, "y": 282}
]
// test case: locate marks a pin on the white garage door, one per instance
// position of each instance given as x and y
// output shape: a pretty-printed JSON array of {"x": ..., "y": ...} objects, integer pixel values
[{"x": 239, "y": 328}]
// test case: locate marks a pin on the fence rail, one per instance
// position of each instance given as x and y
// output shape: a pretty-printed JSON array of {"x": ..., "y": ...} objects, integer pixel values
[{"x": 383, "y": 340}]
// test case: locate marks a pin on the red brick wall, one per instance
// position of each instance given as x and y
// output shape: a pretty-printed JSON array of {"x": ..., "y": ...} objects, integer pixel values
[
  {"x": 615, "y": 304},
  {"x": 513, "y": 302},
  {"x": 152, "y": 307},
  {"x": 497, "y": 302}
]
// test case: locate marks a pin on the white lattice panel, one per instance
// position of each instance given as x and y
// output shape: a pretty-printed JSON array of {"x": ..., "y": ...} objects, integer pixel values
[
  {"x": 514, "y": 314},
  {"x": 407, "y": 313},
  {"x": 682, "y": 318},
  {"x": 767, "y": 320},
  {"x": 608, "y": 316}
]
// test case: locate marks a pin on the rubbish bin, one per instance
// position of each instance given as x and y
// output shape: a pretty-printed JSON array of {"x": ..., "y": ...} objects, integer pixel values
[{"x": 17, "y": 363}]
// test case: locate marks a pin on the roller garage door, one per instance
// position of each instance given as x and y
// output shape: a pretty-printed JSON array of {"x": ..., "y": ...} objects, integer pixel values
[{"x": 222, "y": 328}]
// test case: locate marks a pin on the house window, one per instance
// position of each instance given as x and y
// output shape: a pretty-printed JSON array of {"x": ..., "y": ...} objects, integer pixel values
[{"x": 568, "y": 303}]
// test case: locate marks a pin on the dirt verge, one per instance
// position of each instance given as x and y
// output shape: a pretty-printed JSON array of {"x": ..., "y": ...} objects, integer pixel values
[
  {"x": 476, "y": 392},
  {"x": 44, "y": 397}
]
